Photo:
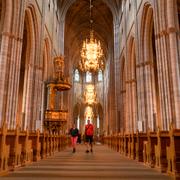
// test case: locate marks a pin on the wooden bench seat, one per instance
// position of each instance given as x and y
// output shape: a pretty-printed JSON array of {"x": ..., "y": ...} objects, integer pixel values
[
  {"x": 149, "y": 149},
  {"x": 141, "y": 137},
  {"x": 163, "y": 140},
  {"x": 4, "y": 151},
  {"x": 173, "y": 153},
  {"x": 15, "y": 157}
]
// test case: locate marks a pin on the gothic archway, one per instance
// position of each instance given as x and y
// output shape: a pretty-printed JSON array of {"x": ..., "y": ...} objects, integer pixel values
[
  {"x": 151, "y": 83},
  {"x": 131, "y": 82},
  {"x": 24, "y": 115}
]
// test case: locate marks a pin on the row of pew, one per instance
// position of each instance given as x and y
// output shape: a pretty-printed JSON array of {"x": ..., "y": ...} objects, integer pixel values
[
  {"x": 159, "y": 149},
  {"x": 19, "y": 148}
]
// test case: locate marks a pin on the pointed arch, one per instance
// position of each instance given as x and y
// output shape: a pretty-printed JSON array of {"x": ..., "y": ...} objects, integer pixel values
[
  {"x": 131, "y": 86},
  {"x": 25, "y": 108},
  {"x": 148, "y": 82}
]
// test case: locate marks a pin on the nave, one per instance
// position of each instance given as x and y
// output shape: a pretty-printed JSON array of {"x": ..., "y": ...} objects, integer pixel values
[
  {"x": 115, "y": 62},
  {"x": 103, "y": 163}
]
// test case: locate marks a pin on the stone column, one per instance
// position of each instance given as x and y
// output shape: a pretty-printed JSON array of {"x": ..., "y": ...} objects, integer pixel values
[
  {"x": 134, "y": 105},
  {"x": 174, "y": 59},
  {"x": 29, "y": 97},
  {"x": 4, "y": 57},
  {"x": 61, "y": 37},
  {"x": 116, "y": 71}
]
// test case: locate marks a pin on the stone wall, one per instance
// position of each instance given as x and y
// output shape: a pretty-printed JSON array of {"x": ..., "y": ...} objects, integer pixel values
[
  {"x": 29, "y": 41},
  {"x": 149, "y": 43}
]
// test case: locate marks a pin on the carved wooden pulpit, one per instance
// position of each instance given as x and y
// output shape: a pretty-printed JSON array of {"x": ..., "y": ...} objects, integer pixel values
[{"x": 56, "y": 119}]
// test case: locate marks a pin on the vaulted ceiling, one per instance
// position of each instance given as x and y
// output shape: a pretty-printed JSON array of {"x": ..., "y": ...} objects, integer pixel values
[{"x": 76, "y": 14}]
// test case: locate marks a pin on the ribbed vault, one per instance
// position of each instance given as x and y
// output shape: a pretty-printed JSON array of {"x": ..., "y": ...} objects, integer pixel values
[{"x": 77, "y": 26}]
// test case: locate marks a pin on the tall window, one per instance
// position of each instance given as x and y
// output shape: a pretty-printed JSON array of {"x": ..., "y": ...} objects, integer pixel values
[
  {"x": 78, "y": 123},
  {"x": 122, "y": 6},
  {"x": 100, "y": 75},
  {"x": 98, "y": 121},
  {"x": 88, "y": 77},
  {"x": 76, "y": 75}
]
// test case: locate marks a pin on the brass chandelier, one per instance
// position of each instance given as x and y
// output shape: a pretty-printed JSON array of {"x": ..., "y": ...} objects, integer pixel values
[{"x": 91, "y": 52}]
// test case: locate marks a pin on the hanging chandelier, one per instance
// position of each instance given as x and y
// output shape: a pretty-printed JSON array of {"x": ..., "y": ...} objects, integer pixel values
[{"x": 91, "y": 52}]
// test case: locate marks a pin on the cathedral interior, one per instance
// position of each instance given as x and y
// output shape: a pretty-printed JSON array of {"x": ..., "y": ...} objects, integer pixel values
[{"x": 115, "y": 62}]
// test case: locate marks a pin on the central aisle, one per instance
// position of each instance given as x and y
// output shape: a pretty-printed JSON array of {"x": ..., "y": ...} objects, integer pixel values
[{"x": 103, "y": 164}]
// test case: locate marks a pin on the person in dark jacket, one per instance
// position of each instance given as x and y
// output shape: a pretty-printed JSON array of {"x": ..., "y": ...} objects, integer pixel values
[{"x": 74, "y": 136}]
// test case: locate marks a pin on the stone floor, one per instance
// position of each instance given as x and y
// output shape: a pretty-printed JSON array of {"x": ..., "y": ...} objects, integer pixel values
[{"x": 102, "y": 164}]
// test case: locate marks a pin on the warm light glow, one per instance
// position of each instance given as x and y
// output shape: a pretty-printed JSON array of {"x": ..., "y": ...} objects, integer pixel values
[
  {"x": 90, "y": 95},
  {"x": 88, "y": 112},
  {"x": 91, "y": 55}
]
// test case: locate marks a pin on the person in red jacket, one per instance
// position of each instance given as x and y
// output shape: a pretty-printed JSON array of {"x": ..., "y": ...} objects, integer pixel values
[{"x": 89, "y": 131}]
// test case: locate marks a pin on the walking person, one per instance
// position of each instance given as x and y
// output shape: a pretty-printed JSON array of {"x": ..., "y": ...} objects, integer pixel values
[
  {"x": 89, "y": 131},
  {"x": 74, "y": 136}
]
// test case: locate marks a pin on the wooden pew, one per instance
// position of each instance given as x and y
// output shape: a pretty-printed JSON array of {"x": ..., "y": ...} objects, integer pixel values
[
  {"x": 12, "y": 139},
  {"x": 51, "y": 148},
  {"x": 4, "y": 150},
  {"x": 173, "y": 153},
  {"x": 43, "y": 141},
  {"x": 126, "y": 142},
  {"x": 129, "y": 145},
  {"x": 121, "y": 143},
  {"x": 163, "y": 140},
  {"x": 27, "y": 151},
  {"x": 117, "y": 142},
  {"x": 133, "y": 141},
  {"x": 140, "y": 138},
  {"x": 149, "y": 149},
  {"x": 36, "y": 145},
  {"x": 55, "y": 143},
  {"x": 59, "y": 143}
]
